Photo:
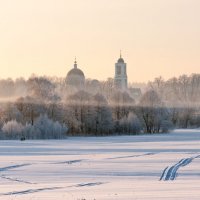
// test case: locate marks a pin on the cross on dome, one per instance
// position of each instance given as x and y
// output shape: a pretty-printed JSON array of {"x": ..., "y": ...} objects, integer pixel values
[{"x": 75, "y": 63}]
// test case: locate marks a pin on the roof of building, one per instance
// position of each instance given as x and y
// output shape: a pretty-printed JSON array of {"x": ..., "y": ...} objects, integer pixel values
[
  {"x": 75, "y": 77},
  {"x": 75, "y": 71},
  {"x": 120, "y": 60}
]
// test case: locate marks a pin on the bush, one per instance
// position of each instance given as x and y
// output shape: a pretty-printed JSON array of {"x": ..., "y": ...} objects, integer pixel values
[
  {"x": 166, "y": 126},
  {"x": 45, "y": 128},
  {"x": 130, "y": 124},
  {"x": 13, "y": 129}
]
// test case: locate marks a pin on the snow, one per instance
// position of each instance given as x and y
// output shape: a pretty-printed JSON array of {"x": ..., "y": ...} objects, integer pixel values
[{"x": 161, "y": 166}]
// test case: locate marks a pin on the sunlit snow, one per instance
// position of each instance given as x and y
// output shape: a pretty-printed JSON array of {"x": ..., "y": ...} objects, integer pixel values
[{"x": 161, "y": 166}]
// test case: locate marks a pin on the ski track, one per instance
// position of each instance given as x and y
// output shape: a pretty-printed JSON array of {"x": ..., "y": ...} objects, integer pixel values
[
  {"x": 170, "y": 173},
  {"x": 121, "y": 157},
  {"x": 164, "y": 173},
  {"x": 89, "y": 184},
  {"x": 29, "y": 191},
  {"x": 69, "y": 162},
  {"x": 133, "y": 156},
  {"x": 15, "y": 179},
  {"x": 13, "y": 167}
]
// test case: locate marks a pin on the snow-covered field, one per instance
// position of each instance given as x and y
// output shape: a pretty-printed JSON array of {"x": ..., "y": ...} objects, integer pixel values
[{"x": 123, "y": 167}]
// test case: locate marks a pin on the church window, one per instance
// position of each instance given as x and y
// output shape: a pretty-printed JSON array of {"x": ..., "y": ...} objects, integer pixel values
[{"x": 118, "y": 70}]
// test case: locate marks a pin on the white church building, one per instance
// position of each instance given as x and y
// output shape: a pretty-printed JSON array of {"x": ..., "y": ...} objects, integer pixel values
[
  {"x": 120, "y": 78},
  {"x": 76, "y": 78}
]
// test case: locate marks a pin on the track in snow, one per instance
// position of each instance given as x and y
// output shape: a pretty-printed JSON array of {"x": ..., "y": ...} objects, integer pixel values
[
  {"x": 170, "y": 173},
  {"x": 29, "y": 191},
  {"x": 13, "y": 167},
  {"x": 133, "y": 156},
  {"x": 15, "y": 179},
  {"x": 69, "y": 162}
]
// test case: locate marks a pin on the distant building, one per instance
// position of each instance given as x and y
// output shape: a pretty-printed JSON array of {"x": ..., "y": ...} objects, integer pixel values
[
  {"x": 120, "y": 79},
  {"x": 75, "y": 77}
]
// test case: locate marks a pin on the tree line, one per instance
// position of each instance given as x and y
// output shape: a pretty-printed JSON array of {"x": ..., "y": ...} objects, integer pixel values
[{"x": 46, "y": 108}]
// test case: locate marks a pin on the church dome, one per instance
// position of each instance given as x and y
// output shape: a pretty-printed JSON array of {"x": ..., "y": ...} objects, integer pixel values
[
  {"x": 75, "y": 71},
  {"x": 120, "y": 60},
  {"x": 75, "y": 77}
]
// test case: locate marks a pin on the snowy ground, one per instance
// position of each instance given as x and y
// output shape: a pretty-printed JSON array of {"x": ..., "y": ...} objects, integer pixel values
[{"x": 122, "y": 167}]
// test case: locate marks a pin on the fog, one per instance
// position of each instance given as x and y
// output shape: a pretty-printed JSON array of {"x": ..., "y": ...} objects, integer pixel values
[{"x": 98, "y": 107}]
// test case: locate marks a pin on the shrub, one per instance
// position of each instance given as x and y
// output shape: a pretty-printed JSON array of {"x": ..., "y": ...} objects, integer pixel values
[{"x": 12, "y": 129}]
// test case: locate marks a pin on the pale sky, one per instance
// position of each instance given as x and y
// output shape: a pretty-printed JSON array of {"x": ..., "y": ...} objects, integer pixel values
[{"x": 157, "y": 37}]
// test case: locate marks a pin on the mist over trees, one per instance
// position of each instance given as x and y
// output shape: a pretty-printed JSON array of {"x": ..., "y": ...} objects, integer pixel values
[{"x": 47, "y": 108}]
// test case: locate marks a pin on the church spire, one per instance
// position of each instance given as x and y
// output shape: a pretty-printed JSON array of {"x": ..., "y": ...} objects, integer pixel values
[
  {"x": 120, "y": 53},
  {"x": 75, "y": 64}
]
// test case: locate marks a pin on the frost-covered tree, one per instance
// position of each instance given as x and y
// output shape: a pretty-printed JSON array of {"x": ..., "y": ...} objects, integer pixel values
[
  {"x": 102, "y": 115},
  {"x": 134, "y": 124},
  {"x": 8, "y": 112},
  {"x": 12, "y": 129},
  {"x": 152, "y": 112},
  {"x": 78, "y": 105},
  {"x": 45, "y": 128},
  {"x": 42, "y": 89},
  {"x": 30, "y": 108},
  {"x": 29, "y": 132},
  {"x": 130, "y": 124}
]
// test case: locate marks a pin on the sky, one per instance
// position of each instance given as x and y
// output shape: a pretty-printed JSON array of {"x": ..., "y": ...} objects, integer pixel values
[{"x": 42, "y": 37}]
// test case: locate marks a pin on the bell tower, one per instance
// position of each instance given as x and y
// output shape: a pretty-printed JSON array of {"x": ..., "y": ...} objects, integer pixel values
[{"x": 120, "y": 74}]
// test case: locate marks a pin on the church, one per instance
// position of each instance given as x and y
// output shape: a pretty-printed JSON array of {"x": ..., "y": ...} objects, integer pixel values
[
  {"x": 76, "y": 78},
  {"x": 120, "y": 78}
]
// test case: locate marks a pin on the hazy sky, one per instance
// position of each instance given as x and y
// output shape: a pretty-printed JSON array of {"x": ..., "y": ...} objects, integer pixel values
[{"x": 157, "y": 37}]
